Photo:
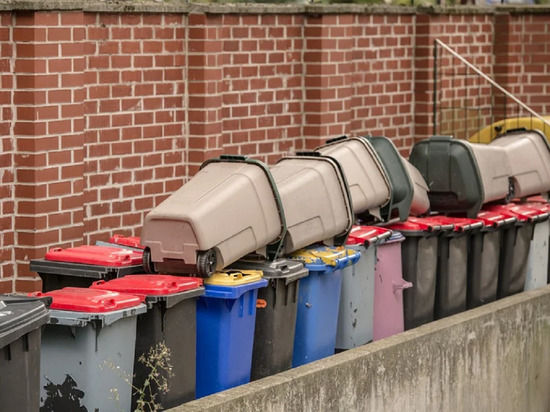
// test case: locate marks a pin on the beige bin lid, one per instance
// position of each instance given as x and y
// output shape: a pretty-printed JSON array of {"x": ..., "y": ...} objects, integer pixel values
[
  {"x": 367, "y": 181},
  {"x": 229, "y": 207},
  {"x": 315, "y": 199},
  {"x": 529, "y": 157},
  {"x": 494, "y": 169},
  {"x": 420, "y": 202}
]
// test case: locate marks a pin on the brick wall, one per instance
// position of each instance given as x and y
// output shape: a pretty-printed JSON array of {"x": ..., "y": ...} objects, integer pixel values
[{"x": 105, "y": 113}]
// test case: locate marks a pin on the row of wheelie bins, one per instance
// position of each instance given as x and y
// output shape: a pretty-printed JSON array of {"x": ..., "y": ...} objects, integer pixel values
[{"x": 276, "y": 275}]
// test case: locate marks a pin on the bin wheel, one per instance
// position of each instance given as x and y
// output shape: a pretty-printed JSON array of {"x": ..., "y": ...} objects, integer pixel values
[
  {"x": 148, "y": 265},
  {"x": 206, "y": 263}
]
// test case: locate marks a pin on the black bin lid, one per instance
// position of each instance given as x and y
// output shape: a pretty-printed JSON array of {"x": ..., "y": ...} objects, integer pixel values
[{"x": 20, "y": 315}]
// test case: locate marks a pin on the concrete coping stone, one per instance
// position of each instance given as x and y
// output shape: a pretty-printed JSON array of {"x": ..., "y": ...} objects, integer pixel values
[{"x": 184, "y": 7}]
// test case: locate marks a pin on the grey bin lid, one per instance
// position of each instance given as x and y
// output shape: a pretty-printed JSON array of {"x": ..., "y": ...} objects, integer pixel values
[
  {"x": 19, "y": 316},
  {"x": 287, "y": 269},
  {"x": 82, "y": 319},
  {"x": 401, "y": 184}
]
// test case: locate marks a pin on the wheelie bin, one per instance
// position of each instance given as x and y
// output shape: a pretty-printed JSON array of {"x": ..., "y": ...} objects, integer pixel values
[
  {"x": 87, "y": 353},
  {"x": 515, "y": 248},
  {"x": 229, "y": 209},
  {"x": 226, "y": 315},
  {"x": 81, "y": 266},
  {"x": 122, "y": 242},
  {"x": 388, "y": 288},
  {"x": 319, "y": 300},
  {"x": 452, "y": 266},
  {"x": 356, "y": 312},
  {"x": 462, "y": 176},
  {"x": 484, "y": 257},
  {"x": 420, "y": 205},
  {"x": 419, "y": 254},
  {"x": 316, "y": 200},
  {"x": 529, "y": 157},
  {"x": 170, "y": 320},
  {"x": 21, "y": 320},
  {"x": 368, "y": 184},
  {"x": 537, "y": 261},
  {"x": 275, "y": 314}
]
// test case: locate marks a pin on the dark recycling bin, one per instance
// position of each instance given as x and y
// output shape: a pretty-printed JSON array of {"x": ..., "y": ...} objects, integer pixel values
[
  {"x": 21, "y": 319},
  {"x": 452, "y": 272},
  {"x": 87, "y": 351},
  {"x": 516, "y": 242},
  {"x": 275, "y": 314},
  {"x": 483, "y": 262},
  {"x": 81, "y": 266},
  {"x": 419, "y": 254},
  {"x": 170, "y": 319}
]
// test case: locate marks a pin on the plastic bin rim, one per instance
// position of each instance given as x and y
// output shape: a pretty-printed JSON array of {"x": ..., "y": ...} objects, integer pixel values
[
  {"x": 382, "y": 234},
  {"x": 274, "y": 249},
  {"x": 82, "y": 319},
  {"x": 232, "y": 292},
  {"x": 38, "y": 316},
  {"x": 126, "y": 284}
]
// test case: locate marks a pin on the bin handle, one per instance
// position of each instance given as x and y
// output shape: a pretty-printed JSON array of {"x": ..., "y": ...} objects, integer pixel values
[
  {"x": 401, "y": 285},
  {"x": 305, "y": 153},
  {"x": 56, "y": 249},
  {"x": 336, "y": 139}
]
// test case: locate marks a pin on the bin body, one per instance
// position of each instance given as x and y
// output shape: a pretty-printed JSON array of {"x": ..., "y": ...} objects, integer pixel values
[
  {"x": 319, "y": 183},
  {"x": 275, "y": 314},
  {"x": 87, "y": 352},
  {"x": 226, "y": 316},
  {"x": 83, "y": 265},
  {"x": 419, "y": 254},
  {"x": 170, "y": 319},
  {"x": 318, "y": 302},
  {"x": 368, "y": 184},
  {"x": 20, "y": 336},
  {"x": 461, "y": 176},
  {"x": 529, "y": 157},
  {"x": 388, "y": 289},
  {"x": 202, "y": 228},
  {"x": 356, "y": 312},
  {"x": 516, "y": 242},
  {"x": 484, "y": 258},
  {"x": 537, "y": 261},
  {"x": 452, "y": 278}
]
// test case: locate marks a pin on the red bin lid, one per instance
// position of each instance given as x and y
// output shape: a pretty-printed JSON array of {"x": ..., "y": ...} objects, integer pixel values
[
  {"x": 418, "y": 224},
  {"x": 495, "y": 219},
  {"x": 460, "y": 224},
  {"x": 521, "y": 212},
  {"x": 132, "y": 241},
  {"x": 367, "y": 235},
  {"x": 541, "y": 207},
  {"x": 90, "y": 300},
  {"x": 144, "y": 285},
  {"x": 96, "y": 255}
]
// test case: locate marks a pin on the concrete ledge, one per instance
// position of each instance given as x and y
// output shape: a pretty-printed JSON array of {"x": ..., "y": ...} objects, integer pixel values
[{"x": 493, "y": 358}]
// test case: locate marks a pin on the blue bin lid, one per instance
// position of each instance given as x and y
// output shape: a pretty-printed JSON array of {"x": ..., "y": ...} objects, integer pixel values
[
  {"x": 325, "y": 258},
  {"x": 232, "y": 292}
]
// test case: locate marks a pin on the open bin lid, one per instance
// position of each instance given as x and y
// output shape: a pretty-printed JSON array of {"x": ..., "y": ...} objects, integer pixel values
[
  {"x": 287, "y": 269},
  {"x": 460, "y": 225},
  {"x": 96, "y": 255},
  {"x": 368, "y": 235},
  {"x": 20, "y": 315},
  {"x": 131, "y": 241},
  {"x": 231, "y": 284},
  {"x": 401, "y": 183},
  {"x": 495, "y": 219},
  {"x": 324, "y": 258},
  {"x": 419, "y": 226},
  {"x": 155, "y": 288}
]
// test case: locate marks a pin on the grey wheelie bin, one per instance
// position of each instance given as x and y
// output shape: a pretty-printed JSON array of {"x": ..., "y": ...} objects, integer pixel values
[
  {"x": 516, "y": 243},
  {"x": 452, "y": 266},
  {"x": 87, "y": 353},
  {"x": 368, "y": 184},
  {"x": 229, "y": 209},
  {"x": 537, "y": 261},
  {"x": 461, "y": 176},
  {"x": 419, "y": 253},
  {"x": 82, "y": 265},
  {"x": 276, "y": 311},
  {"x": 529, "y": 157},
  {"x": 484, "y": 257},
  {"x": 21, "y": 320},
  {"x": 316, "y": 200},
  {"x": 170, "y": 320}
]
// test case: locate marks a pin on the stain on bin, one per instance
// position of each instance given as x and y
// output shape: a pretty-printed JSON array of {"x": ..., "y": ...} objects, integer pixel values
[{"x": 63, "y": 397}]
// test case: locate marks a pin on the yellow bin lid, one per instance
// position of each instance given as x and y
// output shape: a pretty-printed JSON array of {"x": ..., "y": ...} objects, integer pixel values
[
  {"x": 231, "y": 277},
  {"x": 331, "y": 256}
]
